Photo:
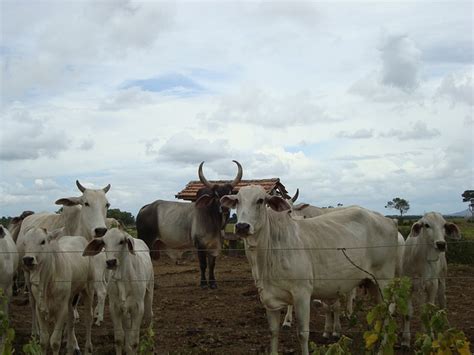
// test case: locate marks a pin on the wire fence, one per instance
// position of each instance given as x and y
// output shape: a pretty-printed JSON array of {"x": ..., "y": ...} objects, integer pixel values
[{"x": 185, "y": 250}]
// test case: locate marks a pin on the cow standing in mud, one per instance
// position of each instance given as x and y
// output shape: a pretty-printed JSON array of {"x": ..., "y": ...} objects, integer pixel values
[{"x": 180, "y": 225}]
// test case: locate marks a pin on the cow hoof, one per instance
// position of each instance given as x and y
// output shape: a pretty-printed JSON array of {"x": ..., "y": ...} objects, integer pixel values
[
  {"x": 286, "y": 326},
  {"x": 213, "y": 285},
  {"x": 203, "y": 285},
  {"x": 336, "y": 336},
  {"x": 405, "y": 348},
  {"x": 317, "y": 303},
  {"x": 77, "y": 352},
  {"x": 326, "y": 335}
]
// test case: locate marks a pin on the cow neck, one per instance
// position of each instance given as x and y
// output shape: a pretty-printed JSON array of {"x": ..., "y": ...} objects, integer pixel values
[
  {"x": 420, "y": 254},
  {"x": 49, "y": 275},
  {"x": 74, "y": 226},
  {"x": 125, "y": 274},
  {"x": 272, "y": 246},
  {"x": 210, "y": 217}
]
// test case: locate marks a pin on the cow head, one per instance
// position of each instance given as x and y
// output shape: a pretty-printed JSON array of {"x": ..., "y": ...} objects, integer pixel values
[
  {"x": 251, "y": 204},
  {"x": 36, "y": 243},
  {"x": 433, "y": 230},
  {"x": 211, "y": 193},
  {"x": 116, "y": 243},
  {"x": 94, "y": 205}
]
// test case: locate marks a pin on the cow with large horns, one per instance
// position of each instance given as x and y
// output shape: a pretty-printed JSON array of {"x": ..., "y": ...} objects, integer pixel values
[{"x": 179, "y": 225}]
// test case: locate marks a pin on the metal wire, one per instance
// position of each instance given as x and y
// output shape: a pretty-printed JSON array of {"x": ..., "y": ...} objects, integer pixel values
[{"x": 243, "y": 249}]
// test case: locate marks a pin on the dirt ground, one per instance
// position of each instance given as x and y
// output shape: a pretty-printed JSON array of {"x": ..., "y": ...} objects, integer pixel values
[{"x": 230, "y": 319}]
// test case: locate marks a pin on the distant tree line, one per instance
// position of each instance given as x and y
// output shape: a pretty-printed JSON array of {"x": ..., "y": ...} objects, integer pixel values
[{"x": 123, "y": 216}]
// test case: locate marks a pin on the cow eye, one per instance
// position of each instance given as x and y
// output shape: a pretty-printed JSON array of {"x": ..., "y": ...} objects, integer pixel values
[
  {"x": 86, "y": 204},
  {"x": 43, "y": 242},
  {"x": 259, "y": 201},
  {"x": 427, "y": 225},
  {"x": 121, "y": 242}
]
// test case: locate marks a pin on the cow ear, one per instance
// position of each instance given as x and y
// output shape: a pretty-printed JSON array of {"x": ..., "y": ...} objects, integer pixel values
[
  {"x": 229, "y": 201},
  {"x": 277, "y": 203},
  {"x": 452, "y": 231},
  {"x": 204, "y": 201},
  {"x": 94, "y": 247},
  {"x": 416, "y": 229},
  {"x": 130, "y": 245},
  {"x": 301, "y": 206},
  {"x": 69, "y": 201}
]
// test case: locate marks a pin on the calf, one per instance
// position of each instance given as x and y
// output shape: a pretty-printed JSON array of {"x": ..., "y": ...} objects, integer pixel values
[
  {"x": 8, "y": 264},
  {"x": 58, "y": 274},
  {"x": 130, "y": 289},
  {"x": 424, "y": 261}
]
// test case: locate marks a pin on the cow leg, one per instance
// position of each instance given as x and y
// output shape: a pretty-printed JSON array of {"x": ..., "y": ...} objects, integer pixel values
[
  {"x": 61, "y": 320},
  {"x": 100, "y": 288},
  {"x": 328, "y": 320},
  {"x": 442, "y": 293},
  {"x": 406, "y": 336},
  {"x": 336, "y": 313},
  {"x": 288, "y": 317},
  {"x": 72, "y": 345},
  {"x": 34, "y": 321},
  {"x": 302, "y": 309},
  {"x": 202, "y": 255},
  {"x": 148, "y": 306},
  {"x": 119, "y": 335},
  {"x": 43, "y": 327},
  {"x": 134, "y": 333},
  {"x": 273, "y": 317},
  {"x": 88, "y": 318},
  {"x": 212, "y": 264}
]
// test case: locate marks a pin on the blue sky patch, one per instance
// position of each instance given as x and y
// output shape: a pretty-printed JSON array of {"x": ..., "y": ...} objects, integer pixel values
[{"x": 173, "y": 83}]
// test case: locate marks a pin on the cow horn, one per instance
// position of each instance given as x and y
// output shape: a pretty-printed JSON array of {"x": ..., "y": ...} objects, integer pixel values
[
  {"x": 239, "y": 174},
  {"x": 80, "y": 187},
  {"x": 201, "y": 176},
  {"x": 294, "y": 198},
  {"x": 107, "y": 188}
]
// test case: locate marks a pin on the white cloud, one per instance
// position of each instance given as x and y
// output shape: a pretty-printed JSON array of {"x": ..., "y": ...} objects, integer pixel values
[
  {"x": 418, "y": 131},
  {"x": 358, "y": 134},
  {"x": 400, "y": 62},
  {"x": 458, "y": 87},
  {"x": 184, "y": 148},
  {"x": 25, "y": 137}
]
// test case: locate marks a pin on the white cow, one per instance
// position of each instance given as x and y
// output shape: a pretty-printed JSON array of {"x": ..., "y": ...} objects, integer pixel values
[
  {"x": 58, "y": 274},
  {"x": 81, "y": 216},
  {"x": 424, "y": 261},
  {"x": 8, "y": 264},
  {"x": 130, "y": 288},
  {"x": 296, "y": 259}
]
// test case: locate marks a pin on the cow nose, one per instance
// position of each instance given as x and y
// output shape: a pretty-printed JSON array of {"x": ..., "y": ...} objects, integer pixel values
[
  {"x": 100, "y": 232},
  {"x": 28, "y": 260},
  {"x": 441, "y": 245},
  {"x": 111, "y": 262},
  {"x": 242, "y": 228}
]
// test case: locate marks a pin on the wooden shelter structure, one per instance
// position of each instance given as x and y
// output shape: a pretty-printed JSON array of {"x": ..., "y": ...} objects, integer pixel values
[{"x": 273, "y": 186}]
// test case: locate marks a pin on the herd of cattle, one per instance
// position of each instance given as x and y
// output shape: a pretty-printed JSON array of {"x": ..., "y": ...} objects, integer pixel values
[{"x": 294, "y": 252}]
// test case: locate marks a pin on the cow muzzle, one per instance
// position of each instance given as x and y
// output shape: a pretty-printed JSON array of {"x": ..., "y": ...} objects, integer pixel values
[
  {"x": 111, "y": 264},
  {"x": 242, "y": 229},
  {"x": 100, "y": 232},
  {"x": 441, "y": 245},
  {"x": 29, "y": 262}
]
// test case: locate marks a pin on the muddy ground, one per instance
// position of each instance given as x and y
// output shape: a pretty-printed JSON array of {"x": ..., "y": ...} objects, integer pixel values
[{"x": 230, "y": 319}]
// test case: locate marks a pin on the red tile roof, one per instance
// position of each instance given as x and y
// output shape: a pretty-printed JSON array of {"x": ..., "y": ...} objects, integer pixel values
[{"x": 270, "y": 185}]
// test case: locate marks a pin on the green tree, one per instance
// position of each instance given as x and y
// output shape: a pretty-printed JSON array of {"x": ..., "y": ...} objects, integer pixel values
[
  {"x": 123, "y": 216},
  {"x": 399, "y": 204}
]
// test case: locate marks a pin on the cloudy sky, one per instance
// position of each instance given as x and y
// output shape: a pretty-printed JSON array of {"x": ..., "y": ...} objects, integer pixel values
[{"x": 352, "y": 102}]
